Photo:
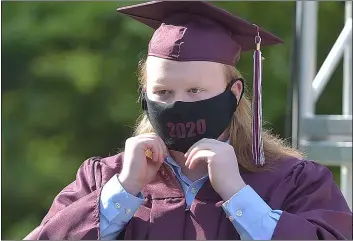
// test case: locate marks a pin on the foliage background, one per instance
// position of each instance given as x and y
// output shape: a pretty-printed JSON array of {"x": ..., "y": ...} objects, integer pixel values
[{"x": 69, "y": 89}]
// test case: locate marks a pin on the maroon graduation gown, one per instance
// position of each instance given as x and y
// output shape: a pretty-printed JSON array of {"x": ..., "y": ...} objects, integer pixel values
[{"x": 312, "y": 204}]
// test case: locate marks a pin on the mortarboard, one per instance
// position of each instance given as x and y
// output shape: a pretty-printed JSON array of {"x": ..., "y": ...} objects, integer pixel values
[{"x": 200, "y": 31}]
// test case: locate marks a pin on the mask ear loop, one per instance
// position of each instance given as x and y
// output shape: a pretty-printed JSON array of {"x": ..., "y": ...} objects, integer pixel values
[
  {"x": 231, "y": 83},
  {"x": 142, "y": 98}
]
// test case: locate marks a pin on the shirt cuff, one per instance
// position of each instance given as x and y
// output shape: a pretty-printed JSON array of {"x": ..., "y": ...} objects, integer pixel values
[
  {"x": 250, "y": 214},
  {"x": 116, "y": 204}
]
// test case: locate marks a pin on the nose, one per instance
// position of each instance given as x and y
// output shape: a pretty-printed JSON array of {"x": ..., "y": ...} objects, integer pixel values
[{"x": 180, "y": 96}]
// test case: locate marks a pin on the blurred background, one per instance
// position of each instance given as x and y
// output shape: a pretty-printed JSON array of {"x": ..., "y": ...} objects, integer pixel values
[{"x": 69, "y": 90}]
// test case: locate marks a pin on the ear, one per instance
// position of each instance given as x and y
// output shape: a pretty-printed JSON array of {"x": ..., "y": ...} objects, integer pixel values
[{"x": 238, "y": 88}]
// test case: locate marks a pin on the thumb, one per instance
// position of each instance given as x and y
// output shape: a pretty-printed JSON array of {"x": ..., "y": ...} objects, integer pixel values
[{"x": 199, "y": 156}]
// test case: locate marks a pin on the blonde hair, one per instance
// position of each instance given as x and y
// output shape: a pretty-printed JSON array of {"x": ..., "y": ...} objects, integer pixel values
[{"x": 240, "y": 132}]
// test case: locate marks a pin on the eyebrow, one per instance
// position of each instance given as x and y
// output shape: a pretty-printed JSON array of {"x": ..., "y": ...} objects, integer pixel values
[{"x": 157, "y": 86}]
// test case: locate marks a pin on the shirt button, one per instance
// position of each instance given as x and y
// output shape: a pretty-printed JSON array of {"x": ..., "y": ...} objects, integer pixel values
[
  {"x": 193, "y": 190},
  {"x": 128, "y": 211},
  {"x": 117, "y": 205},
  {"x": 231, "y": 218},
  {"x": 239, "y": 213}
]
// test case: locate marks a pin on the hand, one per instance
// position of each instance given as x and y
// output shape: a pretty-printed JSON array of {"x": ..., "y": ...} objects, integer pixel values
[
  {"x": 138, "y": 169},
  {"x": 222, "y": 165}
]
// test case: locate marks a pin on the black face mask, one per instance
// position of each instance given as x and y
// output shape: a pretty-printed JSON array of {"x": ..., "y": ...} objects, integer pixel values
[{"x": 182, "y": 124}]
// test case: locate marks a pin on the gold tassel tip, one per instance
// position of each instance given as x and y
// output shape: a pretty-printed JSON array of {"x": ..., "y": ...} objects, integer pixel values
[{"x": 148, "y": 154}]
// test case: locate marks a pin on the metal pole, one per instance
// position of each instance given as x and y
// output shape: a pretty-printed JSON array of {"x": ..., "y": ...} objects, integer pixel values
[
  {"x": 347, "y": 66},
  {"x": 292, "y": 123},
  {"x": 307, "y": 60},
  {"x": 346, "y": 170},
  {"x": 332, "y": 60}
]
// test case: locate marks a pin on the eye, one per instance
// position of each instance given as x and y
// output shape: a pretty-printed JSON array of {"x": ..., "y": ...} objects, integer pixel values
[
  {"x": 162, "y": 92},
  {"x": 195, "y": 90}
]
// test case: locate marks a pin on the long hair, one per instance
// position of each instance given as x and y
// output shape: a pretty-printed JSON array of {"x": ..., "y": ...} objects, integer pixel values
[{"x": 240, "y": 132}]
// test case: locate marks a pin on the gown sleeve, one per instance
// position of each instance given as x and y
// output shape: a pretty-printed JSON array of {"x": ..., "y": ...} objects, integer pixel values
[
  {"x": 74, "y": 213},
  {"x": 313, "y": 205}
]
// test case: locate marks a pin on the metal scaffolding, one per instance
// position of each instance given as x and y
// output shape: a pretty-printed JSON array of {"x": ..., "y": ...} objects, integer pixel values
[{"x": 326, "y": 139}]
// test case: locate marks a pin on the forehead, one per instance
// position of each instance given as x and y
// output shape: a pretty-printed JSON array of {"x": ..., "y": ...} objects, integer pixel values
[{"x": 158, "y": 69}]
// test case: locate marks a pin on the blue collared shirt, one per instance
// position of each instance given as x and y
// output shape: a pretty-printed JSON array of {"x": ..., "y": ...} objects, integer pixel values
[{"x": 249, "y": 213}]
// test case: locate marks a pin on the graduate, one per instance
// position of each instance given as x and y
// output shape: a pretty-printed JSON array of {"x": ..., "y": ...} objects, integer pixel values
[{"x": 199, "y": 165}]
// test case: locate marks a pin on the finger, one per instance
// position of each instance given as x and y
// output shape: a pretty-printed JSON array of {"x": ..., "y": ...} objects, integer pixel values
[
  {"x": 191, "y": 154},
  {"x": 212, "y": 141},
  {"x": 204, "y": 140},
  {"x": 150, "y": 134},
  {"x": 201, "y": 155},
  {"x": 202, "y": 144},
  {"x": 193, "y": 147},
  {"x": 161, "y": 150},
  {"x": 158, "y": 138},
  {"x": 164, "y": 147},
  {"x": 207, "y": 144},
  {"x": 151, "y": 145},
  {"x": 155, "y": 151}
]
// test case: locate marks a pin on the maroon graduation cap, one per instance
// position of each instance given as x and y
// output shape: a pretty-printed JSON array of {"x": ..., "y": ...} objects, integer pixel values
[{"x": 200, "y": 31}]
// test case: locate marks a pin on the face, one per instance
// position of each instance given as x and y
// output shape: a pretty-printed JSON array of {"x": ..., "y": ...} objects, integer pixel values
[{"x": 169, "y": 81}]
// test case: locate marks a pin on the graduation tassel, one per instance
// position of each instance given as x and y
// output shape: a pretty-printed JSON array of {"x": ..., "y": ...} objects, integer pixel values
[{"x": 257, "y": 142}]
